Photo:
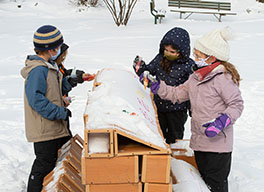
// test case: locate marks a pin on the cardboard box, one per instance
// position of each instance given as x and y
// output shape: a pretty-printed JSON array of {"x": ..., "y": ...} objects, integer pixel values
[
  {"x": 59, "y": 187},
  {"x": 157, "y": 187},
  {"x": 125, "y": 145},
  {"x": 134, "y": 187},
  {"x": 110, "y": 170},
  {"x": 90, "y": 134},
  {"x": 75, "y": 144},
  {"x": 71, "y": 153},
  {"x": 63, "y": 176},
  {"x": 156, "y": 168}
]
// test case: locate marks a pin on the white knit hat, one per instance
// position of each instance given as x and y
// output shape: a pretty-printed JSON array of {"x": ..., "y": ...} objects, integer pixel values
[{"x": 215, "y": 43}]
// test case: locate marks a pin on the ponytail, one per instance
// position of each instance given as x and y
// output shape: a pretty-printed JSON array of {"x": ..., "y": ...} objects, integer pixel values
[{"x": 233, "y": 71}]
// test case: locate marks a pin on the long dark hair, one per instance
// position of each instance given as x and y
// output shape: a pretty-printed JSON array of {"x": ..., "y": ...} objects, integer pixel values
[{"x": 165, "y": 63}]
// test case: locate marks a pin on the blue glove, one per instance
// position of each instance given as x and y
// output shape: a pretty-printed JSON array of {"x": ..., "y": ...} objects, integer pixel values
[{"x": 215, "y": 127}]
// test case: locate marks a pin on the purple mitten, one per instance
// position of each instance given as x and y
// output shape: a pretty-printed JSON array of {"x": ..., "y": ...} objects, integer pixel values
[
  {"x": 152, "y": 82},
  {"x": 215, "y": 127},
  {"x": 155, "y": 87},
  {"x": 147, "y": 75}
]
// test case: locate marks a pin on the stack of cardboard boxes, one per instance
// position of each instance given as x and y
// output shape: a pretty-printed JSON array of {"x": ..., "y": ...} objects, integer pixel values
[
  {"x": 66, "y": 176},
  {"x": 129, "y": 165}
]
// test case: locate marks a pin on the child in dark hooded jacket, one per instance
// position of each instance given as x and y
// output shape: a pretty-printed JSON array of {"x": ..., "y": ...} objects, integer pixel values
[{"x": 173, "y": 65}]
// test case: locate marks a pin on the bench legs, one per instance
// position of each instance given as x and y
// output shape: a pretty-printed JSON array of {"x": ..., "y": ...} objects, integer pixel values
[
  {"x": 215, "y": 14},
  {"x": 186, "y": 16},
  {"x": 219, "y": 18},
  {"x": 156, "y": 18},
  {"x": 160, "y": 20}
]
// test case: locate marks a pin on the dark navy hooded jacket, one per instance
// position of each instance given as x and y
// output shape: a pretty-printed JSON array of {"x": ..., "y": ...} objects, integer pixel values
[{"x": 180, "y": 68}]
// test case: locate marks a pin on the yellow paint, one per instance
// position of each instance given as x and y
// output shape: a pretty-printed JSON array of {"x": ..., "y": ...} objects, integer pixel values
[{"x": 140, "y": 93}]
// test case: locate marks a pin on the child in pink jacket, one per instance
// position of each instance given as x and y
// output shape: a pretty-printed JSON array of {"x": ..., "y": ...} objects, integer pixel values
[{"x": 216, "y": 104}]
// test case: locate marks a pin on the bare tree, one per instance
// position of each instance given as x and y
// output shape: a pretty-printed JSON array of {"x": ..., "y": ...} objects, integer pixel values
[
  {"x": 92, "y": 3},
  {"x": 120, "y": 10}
]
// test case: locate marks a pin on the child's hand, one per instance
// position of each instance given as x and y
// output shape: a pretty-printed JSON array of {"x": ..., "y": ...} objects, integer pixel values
[
  {"x": 67, "y": 100},
  {"x": 79, "y": 74},
  {"x": 138, "y": 63},
  {"x": 216, "y": 126},
  {"x": 76, "y": 76},
  {"x": 150, "y": 81}
]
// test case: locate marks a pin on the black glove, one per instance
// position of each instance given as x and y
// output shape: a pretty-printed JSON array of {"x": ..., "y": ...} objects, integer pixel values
[
  {"x": 68, "y": 72},
  {"x": 73, "y": 81},
  {"x": 79, "y": 75},
  {"x": 138, "y": 63},
  {"x": 69, "y": 114}
]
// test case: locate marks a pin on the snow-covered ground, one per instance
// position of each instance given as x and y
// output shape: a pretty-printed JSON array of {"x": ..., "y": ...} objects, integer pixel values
[{"x": 96, "y": 43}]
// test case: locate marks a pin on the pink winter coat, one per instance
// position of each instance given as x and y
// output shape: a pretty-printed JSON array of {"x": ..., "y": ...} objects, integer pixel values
[{"x": 215, "y": 94}]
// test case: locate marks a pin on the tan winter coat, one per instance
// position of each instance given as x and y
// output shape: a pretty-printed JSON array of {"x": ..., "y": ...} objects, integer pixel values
[{"x": 39, "y": 128}]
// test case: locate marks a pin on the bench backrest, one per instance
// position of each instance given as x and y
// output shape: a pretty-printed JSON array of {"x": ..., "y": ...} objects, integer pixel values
[
  {"x": 152, "y": 5},
  {"x": 200, "y": 4}
]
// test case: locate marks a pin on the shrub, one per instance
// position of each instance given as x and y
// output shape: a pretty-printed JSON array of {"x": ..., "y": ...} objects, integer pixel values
[{"x": 120, "y": 10}]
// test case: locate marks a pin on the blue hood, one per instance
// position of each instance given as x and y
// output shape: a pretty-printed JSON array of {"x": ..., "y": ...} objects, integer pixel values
[
  {"x": 36, "y": 57},
  {"x": 178, "y": 38}
]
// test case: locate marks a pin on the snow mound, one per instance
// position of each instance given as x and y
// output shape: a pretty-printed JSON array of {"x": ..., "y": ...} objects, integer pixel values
[{"x": 188, "y": 177}]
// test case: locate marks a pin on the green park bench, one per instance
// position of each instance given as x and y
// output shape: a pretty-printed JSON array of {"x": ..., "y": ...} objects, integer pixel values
[{"x": 158, "y": 14}]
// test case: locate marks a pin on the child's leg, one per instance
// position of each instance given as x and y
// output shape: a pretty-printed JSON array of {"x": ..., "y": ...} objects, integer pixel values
[
  {"x": 200, "y": 158},
  {"x": 46, "y": 157},
  {"x": 176, "y": 121},
  {"x": 214, "y": 168},
  {"x": 163, "y": 123}
]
